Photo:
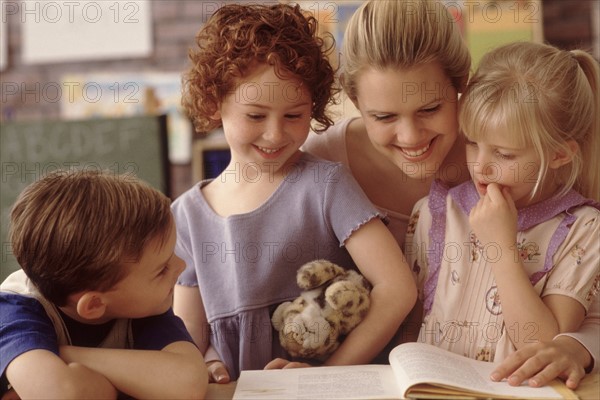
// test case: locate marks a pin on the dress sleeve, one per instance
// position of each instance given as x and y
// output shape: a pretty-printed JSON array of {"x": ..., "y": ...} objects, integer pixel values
[
  {"x": 588, "y": 334},
  {"x": 183, "y": 245},
  {"x": 417, "y": 241},
  {"x": 576, "y": 271},
  {"x": 346, "y": 207}
]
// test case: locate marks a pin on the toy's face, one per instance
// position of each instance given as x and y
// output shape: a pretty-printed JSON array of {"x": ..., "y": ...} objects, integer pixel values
[
  {"x": 316, "y": 343},
  {"x": 305, "y": 332},
  {"x": 333, "y": 302}
]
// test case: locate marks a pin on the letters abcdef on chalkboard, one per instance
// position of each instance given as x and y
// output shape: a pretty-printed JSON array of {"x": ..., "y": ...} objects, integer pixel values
[{"x": 29, "y": 150}]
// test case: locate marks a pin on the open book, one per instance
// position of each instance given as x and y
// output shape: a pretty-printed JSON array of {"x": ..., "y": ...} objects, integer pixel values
[{"x": 416, "y": 370}]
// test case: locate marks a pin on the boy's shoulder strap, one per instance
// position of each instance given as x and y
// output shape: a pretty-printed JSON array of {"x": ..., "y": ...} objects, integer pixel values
[
  {"x": 119, "y": 337},
  {"x": 19, "y": 283}
]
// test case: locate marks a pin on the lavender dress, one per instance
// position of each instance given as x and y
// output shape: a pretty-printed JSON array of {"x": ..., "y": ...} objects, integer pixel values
[{"x": 245, "y": 264}]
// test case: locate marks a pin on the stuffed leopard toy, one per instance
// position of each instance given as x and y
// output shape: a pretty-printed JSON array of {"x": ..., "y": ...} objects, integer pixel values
[{"x": 333, "y": 302}]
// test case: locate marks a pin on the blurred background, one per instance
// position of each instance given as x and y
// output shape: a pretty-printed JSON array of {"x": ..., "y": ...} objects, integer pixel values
[{"x": 44, "y": 44}]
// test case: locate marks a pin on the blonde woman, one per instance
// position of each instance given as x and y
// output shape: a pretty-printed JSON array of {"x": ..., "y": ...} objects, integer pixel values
[{"x": 404, "y": 66}]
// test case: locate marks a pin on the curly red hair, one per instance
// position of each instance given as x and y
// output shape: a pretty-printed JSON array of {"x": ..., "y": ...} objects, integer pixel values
[{"x": 238, "y": 36}]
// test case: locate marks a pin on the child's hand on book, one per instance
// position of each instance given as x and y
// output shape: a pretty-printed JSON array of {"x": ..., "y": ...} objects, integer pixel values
[
  {"x": 281, "y": 363},
  {"x": 539, "y": 363}
]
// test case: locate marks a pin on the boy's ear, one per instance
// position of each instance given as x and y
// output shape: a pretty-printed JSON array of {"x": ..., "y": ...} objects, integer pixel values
[
  {"x": 561, "y": 158},
  {"x": 91, "y": 305}
]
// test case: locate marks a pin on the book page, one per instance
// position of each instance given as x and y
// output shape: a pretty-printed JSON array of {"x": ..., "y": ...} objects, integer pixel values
[
  {"x": 422, "y": 363},
  {"x": 344, "y": 382}
]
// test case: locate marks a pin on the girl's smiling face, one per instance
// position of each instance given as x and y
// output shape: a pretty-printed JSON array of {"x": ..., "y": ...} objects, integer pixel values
[
  {"x": 410, "y": 115},
  {"x": 266, "y": 119}
]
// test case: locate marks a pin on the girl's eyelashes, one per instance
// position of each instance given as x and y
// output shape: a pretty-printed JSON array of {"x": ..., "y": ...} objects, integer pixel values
[
  {"x": 260, "y": 117},
  {"x": 255, "y": 117},
  {"x": 432, "y": 109},
  {"x": 381, "y": 117},
  {"x": 498, "y": 153},
  {"x": 504, "y": 156},
  {"x": 389, "y": 117}
]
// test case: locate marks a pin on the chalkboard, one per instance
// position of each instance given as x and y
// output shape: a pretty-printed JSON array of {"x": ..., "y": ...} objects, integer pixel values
[{"x": 30, "y": 150}]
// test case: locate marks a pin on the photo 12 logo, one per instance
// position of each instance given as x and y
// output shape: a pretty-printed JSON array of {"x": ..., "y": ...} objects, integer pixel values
[
  {"x": 70, "y": 92},
  {"x": 72, "y": 11}
]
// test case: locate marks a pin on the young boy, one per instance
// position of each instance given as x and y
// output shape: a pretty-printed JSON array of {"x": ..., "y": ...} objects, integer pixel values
[{"x": 89, "y": 315}]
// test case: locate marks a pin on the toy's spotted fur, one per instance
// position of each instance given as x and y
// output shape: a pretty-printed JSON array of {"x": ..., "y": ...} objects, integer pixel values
[{"x": 333, "y": 302}]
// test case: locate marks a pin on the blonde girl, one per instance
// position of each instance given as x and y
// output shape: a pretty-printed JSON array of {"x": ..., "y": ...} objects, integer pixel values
[{"x": 511, "y": 257}]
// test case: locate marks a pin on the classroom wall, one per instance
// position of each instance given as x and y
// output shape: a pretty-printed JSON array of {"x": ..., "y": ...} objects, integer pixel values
[
  {"x": 175, "y": 22},
  {"x": 569, "y": 24}
]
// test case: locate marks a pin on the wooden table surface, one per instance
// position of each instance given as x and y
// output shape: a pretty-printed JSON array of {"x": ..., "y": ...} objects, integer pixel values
[{"x": 589, "y": 389}]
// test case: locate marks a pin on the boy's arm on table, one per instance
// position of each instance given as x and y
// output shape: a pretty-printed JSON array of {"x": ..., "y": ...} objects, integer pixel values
[
  {"x": 380, "y": 260},
  {"x": 30, "y": 355},
  {"x": 176, "y": 371},
  {"x": 42, "y": 374}
]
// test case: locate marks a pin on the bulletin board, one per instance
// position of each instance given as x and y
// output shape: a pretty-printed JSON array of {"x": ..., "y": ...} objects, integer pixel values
[
  {"x": 121, "y": 94},
  {"x": 484, "y": 25},
  {"x": 63, "y": 30},
  {"x": 488, "y": 24},
  {"x": 29, "y": 150}
]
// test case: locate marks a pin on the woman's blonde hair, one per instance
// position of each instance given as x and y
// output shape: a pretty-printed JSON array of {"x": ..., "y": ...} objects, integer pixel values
[
  {"x": 543, "y": 97},
  {"x": 403, "y": 34}
]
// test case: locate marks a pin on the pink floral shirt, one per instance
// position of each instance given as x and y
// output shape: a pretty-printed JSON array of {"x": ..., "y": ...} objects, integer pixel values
[{"x": 558, "y": 242}]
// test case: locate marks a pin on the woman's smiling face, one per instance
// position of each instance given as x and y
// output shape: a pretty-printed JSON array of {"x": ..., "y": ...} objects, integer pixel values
[{"x": 410, "y": 115}]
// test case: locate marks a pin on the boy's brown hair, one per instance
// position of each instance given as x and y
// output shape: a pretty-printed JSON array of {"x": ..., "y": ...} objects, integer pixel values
[
  {"x": 238, "y": 36},
  {"x": 72, "y": 230}
]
